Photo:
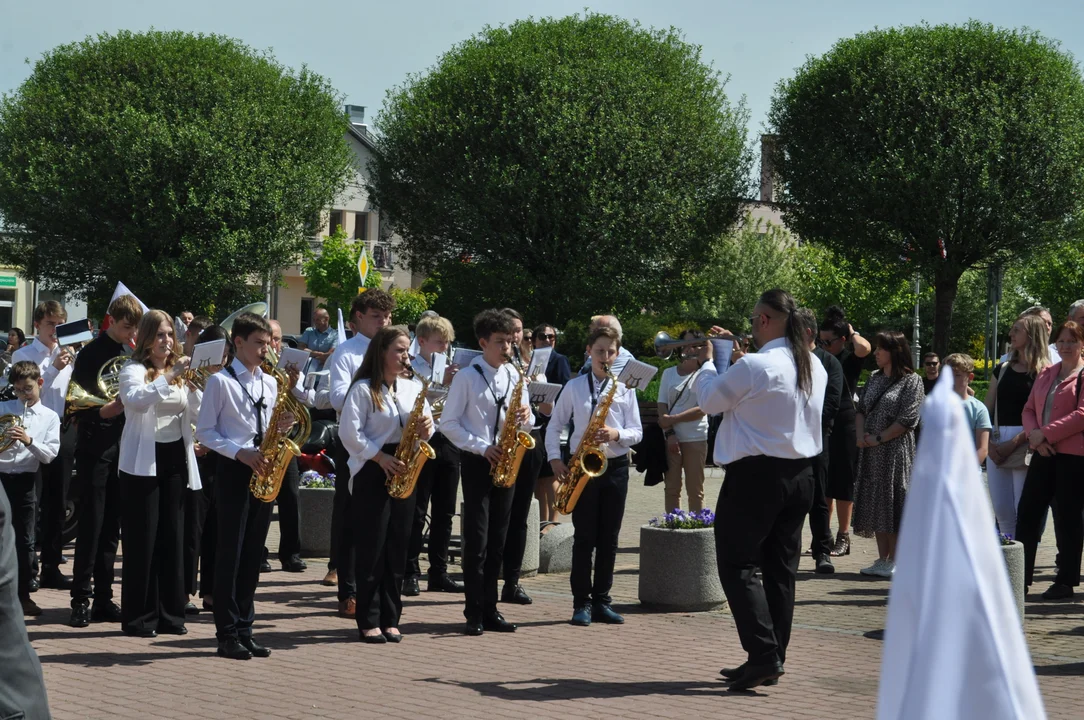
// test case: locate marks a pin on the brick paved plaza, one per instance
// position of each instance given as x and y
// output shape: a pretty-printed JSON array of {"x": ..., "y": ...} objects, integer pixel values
[{"x": 655, "y": 665}]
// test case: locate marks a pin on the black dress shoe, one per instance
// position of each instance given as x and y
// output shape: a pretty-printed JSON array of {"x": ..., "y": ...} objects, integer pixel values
[
  {"x": 207, "y": 604},
  {"x": 825, "y": 566},
  {"x": 411, "y": 588},
  {"x": 254, "y": 647},
  {"x": 443, "y": 583},
  {"x": 34, "y": 584},
  {"x": 173, "y": 630},
  {"x": 191, "y": 609},
  {"x": 733, "y": 673},
  {"x": 756, "y": 675},
  {"x": 233, "y": 649},
  {"x": 294, "y": 564},
  {"x": 265, "y": 567},
  {"x": 515, "y": 594},
  {"x": 392, "y": 637},
  {"x": 105, "y": 611},
  {"x": 80, "y": 613},
  {"x": 474, "y": 628},
  {"x": 140, "y": 632},
  {"x": 497, "y": 623},
  {"x": 52, "y": 578},
  {"x": 373, "y": 639}
]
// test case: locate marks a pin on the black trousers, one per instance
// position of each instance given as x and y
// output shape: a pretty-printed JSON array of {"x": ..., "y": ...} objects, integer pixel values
[
  {"x": 486, "y": 512},
  {"x": 343, "y": 551},
  {"x": 56, "y": 481},
  {"x": 597, "y": 521},
  {"x": 382, "y": 527},
  {"x": 22, "y": 493},
  {"x": 516, "y": 543},
  {"x": 242, "y": 528},
  {"x": 289, "y": 514},
  {"x": 152, "y": 592},
  {"x": 820, "y": 522},
  {"x": 758, "y": 523},
  {"x": 437, "y": 488},
  {"x": 97, "y": 453},
  {"x": 197, "y": 505},
  {"x": 1057, "y": 481}
]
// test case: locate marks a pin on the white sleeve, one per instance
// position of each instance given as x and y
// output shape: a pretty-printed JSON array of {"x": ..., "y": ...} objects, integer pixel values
[
  {"x": 562, "y": 412},
  {"x": 352, "y": 424},
  {"x": 633, "y": 431},
  {"x": 455, "y": 406},
  {"x": 46, "y": 447},
  {"x": 339, "y": 378},
  {"x": 717, "y": 393},
  {"x": 214, "y": 398},
  {"x": 138, "y": 395}
]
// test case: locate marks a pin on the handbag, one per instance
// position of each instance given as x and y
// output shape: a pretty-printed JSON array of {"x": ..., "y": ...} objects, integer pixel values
[{"x": 1021, "y": 456}]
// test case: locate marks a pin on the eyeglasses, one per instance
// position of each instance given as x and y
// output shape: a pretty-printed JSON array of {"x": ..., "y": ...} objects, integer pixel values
[
  {"x": 931, "y": 364},
  {"x": 547, "y": 336},
  {"x": 528, "y": 337}
]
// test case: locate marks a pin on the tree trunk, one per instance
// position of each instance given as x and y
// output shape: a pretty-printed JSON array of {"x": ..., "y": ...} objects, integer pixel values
[{"x": 946, "y": 283}]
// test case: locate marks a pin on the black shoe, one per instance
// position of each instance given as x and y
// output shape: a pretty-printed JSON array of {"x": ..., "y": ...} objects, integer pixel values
[
  {"x": 34, "y": 584},
  {"x": 392, "y": 637},
  {"x": 191, "y": 609},
  {"x": 105, "y": 611},
  {"x": 756, "y": 675},
  {"x": 515, "y": 594},
  {"x": 372, "y": 639},
  {"x": 605, "y": 614},
  {"x": 207, "y": 604},
  {"x": 140, "y": 632},
  {"x": 733, "y": 673},
  {"x": 294, "y": 564},
  {"x": 411, "y": 588},
  {"x": 265, "y": 567},
  {"x": 52, "y": 578},
  {"x": 80, "y": 613},
  {"x": 497, "y": 623},
  {"x": 1058, "y": 591},
  {"x": 581, "y": 616},
  {"x": 172, "y": 630},
  {"x": 825, "y": 566},
  {"x": 233, "y": 649},
  {"x": 443, "y": 583},
  {"x": 254, "y": 647},
  {"x": 473, "y": 628}
]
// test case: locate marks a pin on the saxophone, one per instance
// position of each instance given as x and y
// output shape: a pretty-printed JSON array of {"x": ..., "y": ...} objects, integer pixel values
[
  {"x": 589, "y": 460},
  {"x": 279, "y": 447},
  {"x": 512, "y": 441},
  {"x": 401, "y": 486}
]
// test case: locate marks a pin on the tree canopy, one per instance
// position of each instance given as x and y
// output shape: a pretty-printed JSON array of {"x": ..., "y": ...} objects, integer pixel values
[
  {"x": 932, "y": 149},
  {"x": 188, "y": 166},
  {"x": 585, "y": 162}
]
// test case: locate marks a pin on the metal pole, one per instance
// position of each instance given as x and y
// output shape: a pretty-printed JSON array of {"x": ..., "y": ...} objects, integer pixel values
[{"x": 916, "y": 348}]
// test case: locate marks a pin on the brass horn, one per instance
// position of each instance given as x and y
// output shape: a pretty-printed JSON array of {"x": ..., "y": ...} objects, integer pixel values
[
  {"x": 666, "y": 345},
  {"x": 78, "y": 399}
]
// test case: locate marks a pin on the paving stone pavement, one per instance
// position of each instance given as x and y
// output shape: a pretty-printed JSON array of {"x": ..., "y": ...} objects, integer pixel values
[{"x": 656, "y": 665}]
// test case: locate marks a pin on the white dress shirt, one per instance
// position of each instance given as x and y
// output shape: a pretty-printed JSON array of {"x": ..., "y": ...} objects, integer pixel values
[
  {"x": 43, "y": 427},
  {"x": 423, "y": 369},
  {"x": 471, "y": 413},
  {"x": 141, "y": 400},
  {"x": 343, "y": 365},
  {"x": 363, "y": 429},
  {"x": 763, "y": 411},
  {"x": 55, "y": 387},
  {"x": 575, "y": 402},
  {"x": 227, "y": 417}
]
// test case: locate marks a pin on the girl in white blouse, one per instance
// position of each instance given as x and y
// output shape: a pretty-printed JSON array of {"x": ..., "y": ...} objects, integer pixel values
[
  {"x": 377, "y": 408},
  {"x": 156, "y": 464}
]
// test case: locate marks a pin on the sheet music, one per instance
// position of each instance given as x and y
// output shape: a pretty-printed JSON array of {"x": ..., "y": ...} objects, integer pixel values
[
  {"x": 314, "y": 378},
  {"x": 541, "y": 392},
  {"x": 208, "y": 354},
  {"x": 636, "y": 375},
  {"x": 464, "y": 356},
  {"x": 721, "y": 350},
  {"x": 293, "y": 358},
  {"x": 540, "y": 359}
]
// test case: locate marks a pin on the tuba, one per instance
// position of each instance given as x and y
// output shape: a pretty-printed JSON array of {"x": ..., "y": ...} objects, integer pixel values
[
  {"x": 412, "y": 451},
  {"x": 512, "y": 441},
  {"x": 589, "y": 460},
  {"x": 7, "y": 422}
]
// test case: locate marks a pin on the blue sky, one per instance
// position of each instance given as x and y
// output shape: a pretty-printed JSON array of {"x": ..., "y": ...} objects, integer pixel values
[{"x": 366, "y": 48}]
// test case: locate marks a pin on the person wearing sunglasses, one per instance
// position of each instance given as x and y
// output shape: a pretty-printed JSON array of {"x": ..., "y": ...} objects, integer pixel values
[
  {"x": 931, "y": 367},
  {"x": 559, "y": 371}
]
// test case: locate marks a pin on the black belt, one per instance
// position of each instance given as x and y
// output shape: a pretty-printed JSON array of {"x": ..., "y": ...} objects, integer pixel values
[
  {"x": 754, "y": 461},
  {"x": 617, "y": 462}
]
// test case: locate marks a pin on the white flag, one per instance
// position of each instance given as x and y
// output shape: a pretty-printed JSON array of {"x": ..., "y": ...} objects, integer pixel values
[
  {"x": 954, "y": 647},
  {"x": 341, "y": 328}
]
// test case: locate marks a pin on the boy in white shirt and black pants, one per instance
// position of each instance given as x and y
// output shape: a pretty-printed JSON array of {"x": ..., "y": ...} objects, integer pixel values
[
  {"x": 600, "y": 509},
  {"x": 35, "y": 443},
  {"x": 237, "y": 406},
  {"x": 474, "y": 413}
]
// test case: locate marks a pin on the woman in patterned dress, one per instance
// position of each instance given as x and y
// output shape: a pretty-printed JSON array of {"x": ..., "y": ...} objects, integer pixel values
[{"x": 885, "y": 430}]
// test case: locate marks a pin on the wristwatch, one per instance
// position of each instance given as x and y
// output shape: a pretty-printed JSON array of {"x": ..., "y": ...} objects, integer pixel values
[{"x": 878, "y": 439}]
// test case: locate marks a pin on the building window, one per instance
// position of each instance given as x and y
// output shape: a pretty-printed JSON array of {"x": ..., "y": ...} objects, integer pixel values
[
  {"x": 7, "y": 309},
  {"x": 361, "y": 226},
  {"x": 382, "y": 256},
  {"x": 308, "y": 306},
  {"x": 336, "y": 221}
]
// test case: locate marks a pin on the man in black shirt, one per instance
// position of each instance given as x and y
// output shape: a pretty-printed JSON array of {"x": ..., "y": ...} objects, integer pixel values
[
  {"x": 932, "y": 365},
  {"x": 97, "y": 453}
]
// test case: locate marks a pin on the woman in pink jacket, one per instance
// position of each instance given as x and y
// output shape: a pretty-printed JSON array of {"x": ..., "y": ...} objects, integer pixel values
[{"x": 1054, "y": 423}]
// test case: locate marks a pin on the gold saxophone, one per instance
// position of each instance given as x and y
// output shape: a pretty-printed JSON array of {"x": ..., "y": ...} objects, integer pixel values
[
  {"x": 512, "y": 441},
  {"x": 279, "y": 447},
  {"x": 412, "y": 451},
  {"x": 589, "y": 460}
]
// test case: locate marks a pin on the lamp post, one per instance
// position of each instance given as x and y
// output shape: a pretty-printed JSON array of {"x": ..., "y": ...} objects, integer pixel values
[{"x": 916, "y": 347}]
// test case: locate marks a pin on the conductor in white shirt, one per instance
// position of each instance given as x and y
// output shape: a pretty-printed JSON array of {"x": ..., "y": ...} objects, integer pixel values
[{"x": 770, "y": 433}]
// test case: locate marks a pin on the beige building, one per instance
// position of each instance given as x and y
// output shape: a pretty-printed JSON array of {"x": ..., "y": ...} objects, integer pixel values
[{"x": 353, "y": 211}]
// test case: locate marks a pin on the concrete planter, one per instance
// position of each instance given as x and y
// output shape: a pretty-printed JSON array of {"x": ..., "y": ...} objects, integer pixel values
[
  {"x": 1014, "y": 561},
  {"x": 678, "y": 572},
  {"x": 314, "y": 505}
]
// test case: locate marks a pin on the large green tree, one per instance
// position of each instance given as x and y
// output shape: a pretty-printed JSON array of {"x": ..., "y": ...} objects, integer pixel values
[
  {"x": 188, "y": 166},
  {"x": 947, "y": 145},
  {"x": 586, "y": 160}
]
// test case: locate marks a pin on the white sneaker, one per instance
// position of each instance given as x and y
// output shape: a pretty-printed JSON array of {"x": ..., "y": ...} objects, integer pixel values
[
  {"x": 876, "y": 569},
  {"x": 888, "y": 569}
]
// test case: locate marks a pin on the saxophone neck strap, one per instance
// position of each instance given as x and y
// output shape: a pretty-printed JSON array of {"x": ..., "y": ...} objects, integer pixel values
[
  {"x": 498, "y": 400},
  {"x": 257, "y": 405}
]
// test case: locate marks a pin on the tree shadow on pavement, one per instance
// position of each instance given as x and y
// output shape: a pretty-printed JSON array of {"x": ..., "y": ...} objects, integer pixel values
[
  {"x": 1066, "y": 669},
  {"x": 542, "y": 689},
  {"x": 114, "y": 659}
]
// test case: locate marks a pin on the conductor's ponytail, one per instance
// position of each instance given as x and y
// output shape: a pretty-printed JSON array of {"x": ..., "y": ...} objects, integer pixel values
[{"x": 781, "y": 302}]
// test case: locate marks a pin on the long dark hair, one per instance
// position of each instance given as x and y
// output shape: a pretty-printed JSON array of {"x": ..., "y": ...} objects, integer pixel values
[
  {"x": 835, "y": 321},
  {"x": 781, "y": 302},
  {"x": 899, "y": 349},
  {"x": 372, "y": 367}
]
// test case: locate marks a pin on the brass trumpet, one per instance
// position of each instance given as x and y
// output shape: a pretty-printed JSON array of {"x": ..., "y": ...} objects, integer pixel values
[{"x": 666, "y": 345}]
